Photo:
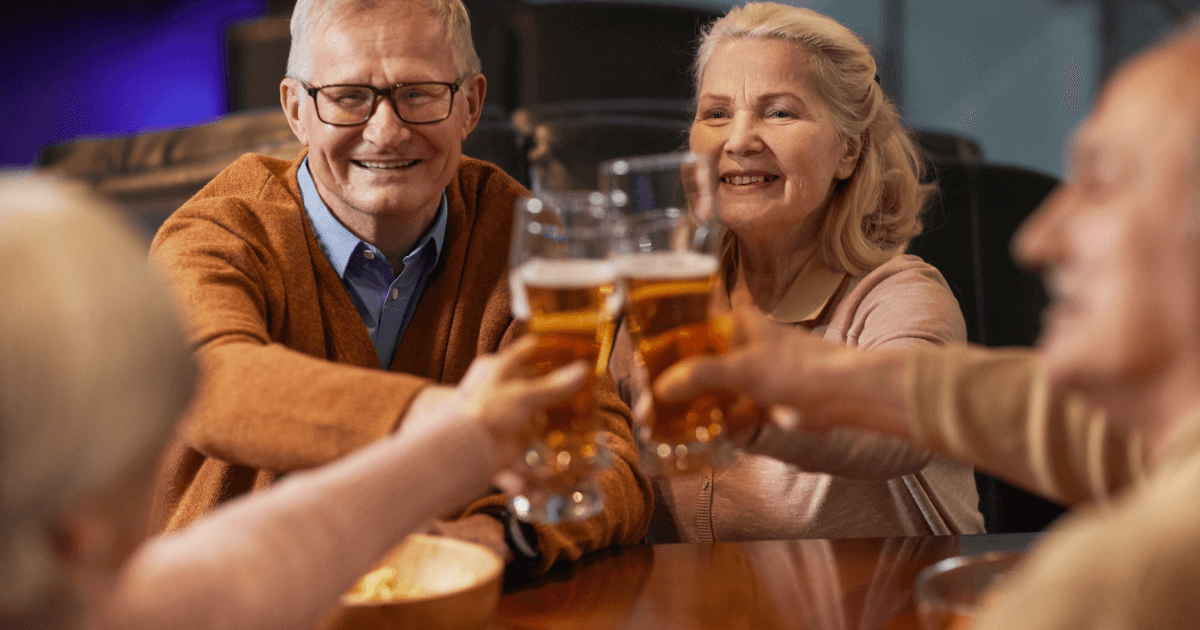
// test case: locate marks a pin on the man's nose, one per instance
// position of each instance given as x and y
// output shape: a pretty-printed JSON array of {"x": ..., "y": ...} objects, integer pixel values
[
  {"x": 1038, "y": 242},
  {"x": 384, "y": 128}
]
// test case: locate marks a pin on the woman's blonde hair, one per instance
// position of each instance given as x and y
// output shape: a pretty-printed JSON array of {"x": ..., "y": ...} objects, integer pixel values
[
  {"x": 874, "y": 213},
  {"x": 94, "y": 368}
]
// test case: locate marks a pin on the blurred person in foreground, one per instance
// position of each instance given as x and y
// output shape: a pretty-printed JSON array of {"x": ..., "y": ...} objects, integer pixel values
[
  {"x": 336, "y": 297},
  {"x": 1118, "y": 244},
  {"x": 95, "y": 372},
  {"x": 819, "y": 193}
]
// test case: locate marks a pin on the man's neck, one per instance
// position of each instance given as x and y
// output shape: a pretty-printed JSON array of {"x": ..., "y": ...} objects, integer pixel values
[
  {"x": 1158, "y": 409},
  {"x": 394, "y": 235}
]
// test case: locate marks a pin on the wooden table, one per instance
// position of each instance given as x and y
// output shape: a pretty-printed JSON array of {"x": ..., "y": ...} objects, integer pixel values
[{"x": 855, "y": 584}]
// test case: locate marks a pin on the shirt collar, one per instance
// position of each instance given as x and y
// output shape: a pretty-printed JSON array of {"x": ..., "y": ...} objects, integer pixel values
[
  {"x": 810, "y": 293},
  {"x": 339, "y": 243}
]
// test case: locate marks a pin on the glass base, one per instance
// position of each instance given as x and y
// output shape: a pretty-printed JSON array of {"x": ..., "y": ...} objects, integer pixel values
[
  {"x": 551, "y": 503},
  {"x": 658, "y": 459}
]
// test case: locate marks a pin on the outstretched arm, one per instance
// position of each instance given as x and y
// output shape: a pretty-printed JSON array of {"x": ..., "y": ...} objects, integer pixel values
[
  {"x": 988, "y": 407},
  {"x": 281, "y": 557}
]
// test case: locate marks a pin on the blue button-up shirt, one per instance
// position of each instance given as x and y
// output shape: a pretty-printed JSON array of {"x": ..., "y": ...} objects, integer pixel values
[{"x": 384, "y": 300}]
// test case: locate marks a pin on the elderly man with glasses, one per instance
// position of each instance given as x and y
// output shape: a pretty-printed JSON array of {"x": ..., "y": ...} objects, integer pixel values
[{"x": 333, "y": 298}]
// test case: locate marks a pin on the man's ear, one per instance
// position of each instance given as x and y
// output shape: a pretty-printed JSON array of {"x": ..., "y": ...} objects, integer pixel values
[
  {"x": 474, "y": 89},
  {"x": 294, "y": 99},
  {"x": 849, "y": 159}
]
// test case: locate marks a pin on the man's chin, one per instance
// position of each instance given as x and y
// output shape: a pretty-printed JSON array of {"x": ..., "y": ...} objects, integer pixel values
[{"x": 1077, "y": 364}]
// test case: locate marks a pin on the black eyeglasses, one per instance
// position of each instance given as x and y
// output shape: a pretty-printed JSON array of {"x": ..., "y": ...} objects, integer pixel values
[{"x": 414, "y": 103}]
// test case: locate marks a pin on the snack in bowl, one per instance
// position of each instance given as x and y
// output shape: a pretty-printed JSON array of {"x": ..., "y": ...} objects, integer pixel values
[{"x": 426, "y": 582}]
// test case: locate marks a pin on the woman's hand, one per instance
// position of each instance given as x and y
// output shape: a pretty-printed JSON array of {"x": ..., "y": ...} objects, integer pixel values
[{"x": 494, "y": 394}]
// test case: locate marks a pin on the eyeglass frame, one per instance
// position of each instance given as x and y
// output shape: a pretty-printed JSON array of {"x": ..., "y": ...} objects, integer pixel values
[{"x": 381, "y": 92}]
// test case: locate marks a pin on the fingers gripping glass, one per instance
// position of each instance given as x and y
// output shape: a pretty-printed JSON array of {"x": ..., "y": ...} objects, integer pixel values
[{"x": 414, "y": 103}]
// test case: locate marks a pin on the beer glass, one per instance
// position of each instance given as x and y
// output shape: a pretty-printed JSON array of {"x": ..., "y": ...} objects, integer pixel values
[
  {"x": 668, "y": 244},
  {"x": 563, "y": 286}
]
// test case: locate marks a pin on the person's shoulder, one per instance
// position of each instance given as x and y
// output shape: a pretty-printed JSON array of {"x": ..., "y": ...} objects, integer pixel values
[
  {"x": 483, "y": 184},
  {"x": 904, "y": 297},
  {"x": 902, "y": 273},
  {"x": 251, "y": 182},
  {"x": 246, "y": 198}
]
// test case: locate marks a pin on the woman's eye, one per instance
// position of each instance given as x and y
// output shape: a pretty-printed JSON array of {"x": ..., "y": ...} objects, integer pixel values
[
  {"x": 778, "y": 113},
  {"x": 713, "y": 114}
]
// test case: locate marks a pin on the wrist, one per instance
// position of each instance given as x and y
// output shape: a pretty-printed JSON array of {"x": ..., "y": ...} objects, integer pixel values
[
  {"x": 864, "y": 389},
  {"x": 521, "y": 537}
]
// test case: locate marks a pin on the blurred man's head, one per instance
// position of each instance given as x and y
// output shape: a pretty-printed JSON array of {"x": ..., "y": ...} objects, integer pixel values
[
  {"x": 94, "y": 372},
  {"x": 1119, "y": 241},
  {"x": 394, "y": 161}
]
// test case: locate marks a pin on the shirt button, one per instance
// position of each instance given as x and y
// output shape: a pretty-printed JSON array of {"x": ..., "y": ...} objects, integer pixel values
[
  {"x": 368, "y": 254},
  {"x": 395, "y": 293}
]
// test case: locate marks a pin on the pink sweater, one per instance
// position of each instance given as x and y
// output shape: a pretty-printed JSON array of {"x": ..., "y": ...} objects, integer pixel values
[{"x": 843, "y": 483}]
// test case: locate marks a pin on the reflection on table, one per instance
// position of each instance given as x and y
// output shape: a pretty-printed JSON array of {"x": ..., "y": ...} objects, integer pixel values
[{"x": 853, "y": 584}]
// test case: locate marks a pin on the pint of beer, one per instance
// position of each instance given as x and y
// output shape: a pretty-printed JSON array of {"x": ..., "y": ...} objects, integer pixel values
[
  {"x": 564, "y": 292},
  {"x": 669, "y": 265},
  {"x": 669, "y": 296},
  {"x": 570, "y": 313}
]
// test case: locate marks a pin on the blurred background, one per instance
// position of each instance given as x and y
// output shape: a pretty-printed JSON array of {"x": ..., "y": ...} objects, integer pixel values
[{"x": 1013, "y": 75}]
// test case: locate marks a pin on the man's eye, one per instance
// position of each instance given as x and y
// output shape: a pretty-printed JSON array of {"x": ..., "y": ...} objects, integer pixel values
[
  {"x": 415, "y": 94},
  {"x": 351, "y": 99}
]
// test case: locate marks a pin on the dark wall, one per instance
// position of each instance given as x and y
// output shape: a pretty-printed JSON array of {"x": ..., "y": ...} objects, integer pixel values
[{"x": 76, "y": 68}]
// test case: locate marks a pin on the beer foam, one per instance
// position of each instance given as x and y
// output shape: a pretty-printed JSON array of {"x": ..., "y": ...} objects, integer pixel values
[
  {"x": 560, "y": 274},
  {"x": 667, "y": 265},
  {"x": 566, "y": 274}
]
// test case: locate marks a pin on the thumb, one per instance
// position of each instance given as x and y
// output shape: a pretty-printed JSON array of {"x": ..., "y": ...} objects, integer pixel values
[{"x": 554, "y": 387}]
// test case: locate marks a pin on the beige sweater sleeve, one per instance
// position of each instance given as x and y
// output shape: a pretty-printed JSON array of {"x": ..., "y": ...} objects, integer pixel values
[
  {"x": 994, "y": 408},
  {"x": 1133, "y": 564}
]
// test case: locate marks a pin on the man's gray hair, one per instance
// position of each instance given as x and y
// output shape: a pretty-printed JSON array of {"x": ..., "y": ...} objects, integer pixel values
[{"x": 308, "y": 14}]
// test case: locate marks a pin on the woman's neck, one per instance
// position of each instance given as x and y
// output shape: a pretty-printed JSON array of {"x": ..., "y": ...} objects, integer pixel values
[{"x": 767, "y": 269}]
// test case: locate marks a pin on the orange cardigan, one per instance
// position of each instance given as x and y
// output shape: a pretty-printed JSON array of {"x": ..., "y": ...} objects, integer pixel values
[{"x": 291, "y": 378}]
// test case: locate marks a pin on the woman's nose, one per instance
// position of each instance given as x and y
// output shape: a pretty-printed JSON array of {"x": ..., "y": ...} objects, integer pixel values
[{"x": 744, "y": 137}]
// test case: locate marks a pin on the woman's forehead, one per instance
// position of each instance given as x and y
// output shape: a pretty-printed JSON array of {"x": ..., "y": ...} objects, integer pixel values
[{"x": 757, "y": 64}]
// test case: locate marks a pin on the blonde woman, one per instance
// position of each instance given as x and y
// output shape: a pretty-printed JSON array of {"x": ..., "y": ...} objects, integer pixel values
[
  {"x": 819, "y": 193},
  {"x": 94, "y": 372}
]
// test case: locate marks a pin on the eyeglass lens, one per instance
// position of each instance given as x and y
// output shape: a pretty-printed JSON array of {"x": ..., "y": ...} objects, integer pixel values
[{"x": 353, "y": 104}]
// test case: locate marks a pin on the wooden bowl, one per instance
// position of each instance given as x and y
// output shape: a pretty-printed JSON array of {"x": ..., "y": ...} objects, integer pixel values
[{"x": 443, "y": 584}]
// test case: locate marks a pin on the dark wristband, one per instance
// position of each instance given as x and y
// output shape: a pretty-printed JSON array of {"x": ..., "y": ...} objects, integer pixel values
[{"x": 520, "y": 537}]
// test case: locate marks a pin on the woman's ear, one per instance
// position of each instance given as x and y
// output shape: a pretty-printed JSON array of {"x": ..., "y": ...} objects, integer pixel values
[{"x": 849, "y": 159}]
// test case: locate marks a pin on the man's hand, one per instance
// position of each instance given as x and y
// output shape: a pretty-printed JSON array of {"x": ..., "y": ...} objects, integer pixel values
[{"x": 785, "y": 367}]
